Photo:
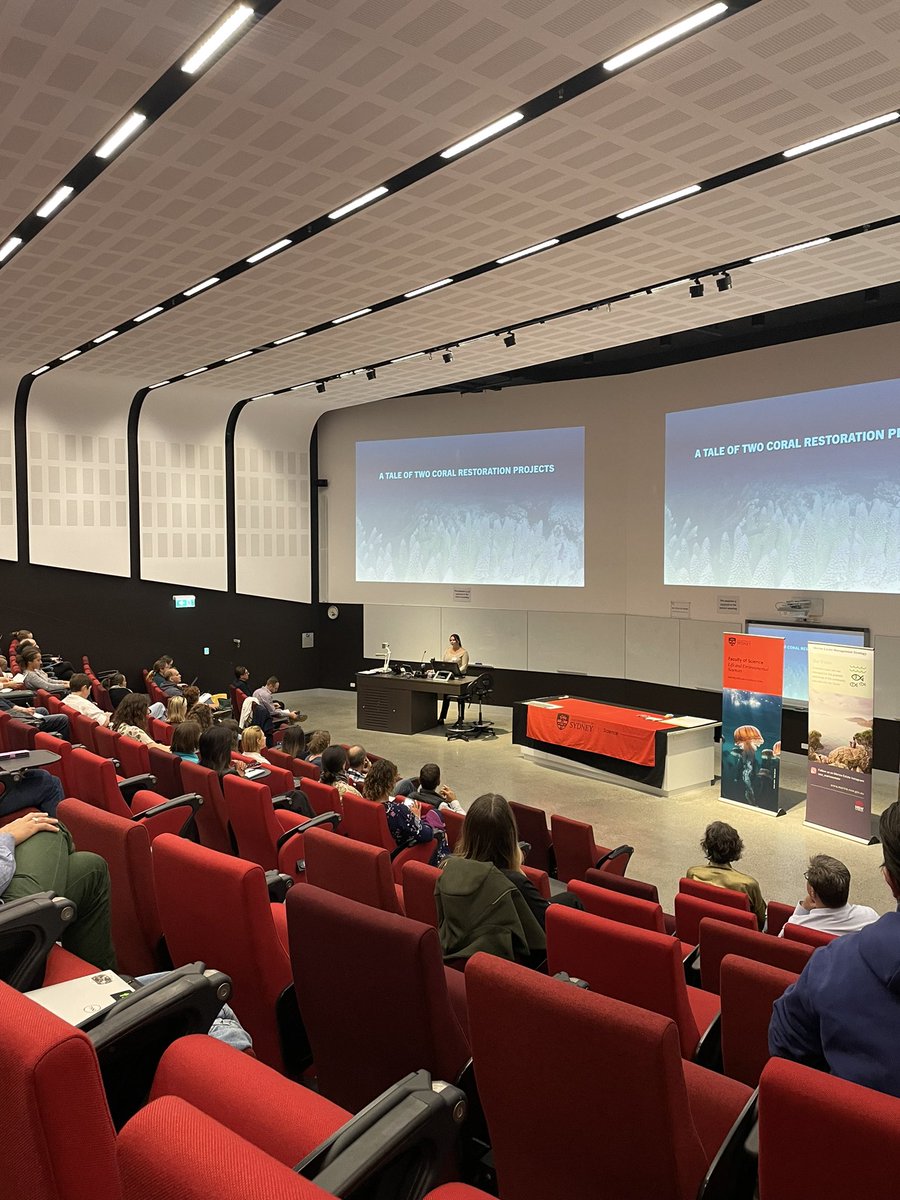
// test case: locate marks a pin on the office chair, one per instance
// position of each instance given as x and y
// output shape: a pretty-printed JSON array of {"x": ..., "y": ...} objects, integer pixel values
[{"x": 477, "y": 690}]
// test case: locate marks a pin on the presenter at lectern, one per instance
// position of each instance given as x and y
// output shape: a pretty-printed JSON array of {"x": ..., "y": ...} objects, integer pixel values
[{"x": 455, "y": 653}]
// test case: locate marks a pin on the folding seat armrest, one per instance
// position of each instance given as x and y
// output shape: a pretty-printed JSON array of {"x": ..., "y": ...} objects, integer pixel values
[
  {"x": 611, "y": 855},
  {"x": 135, "y": 783},
  {"x": 190, "y": 800},
  {"x": 408, "y": 1135},
  {"x": 285, "y": 800},
  {"x": 732, "y": 1172},
  {"x": 691, "y": 966},
  {"x": 279, "y": 885},
  {"x": 330, "y": 818},
  {"x": 709, "y": 1049},
  {"x": 29, "y": 927}
]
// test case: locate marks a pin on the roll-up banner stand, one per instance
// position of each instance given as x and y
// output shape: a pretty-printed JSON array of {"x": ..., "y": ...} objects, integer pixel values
[
  {"x": 841, "y": 715},
  {"x": 752, "y": 682}
]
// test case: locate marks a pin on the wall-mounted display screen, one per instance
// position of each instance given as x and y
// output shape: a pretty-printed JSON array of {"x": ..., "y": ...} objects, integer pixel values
[
  {"x": 796, "y": 644},
  {"x": 484, "y": 508},
  {"x": 797, "y": 491}
]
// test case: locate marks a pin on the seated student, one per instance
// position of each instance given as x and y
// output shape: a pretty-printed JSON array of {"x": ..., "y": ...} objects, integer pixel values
[
  {"x": 334, "y": 771},
  {"x": 430, "y": 789},
  {"x": 826, "y": 905},
  {"x": 357, "y": 764},
  {"x": 56, "y": 668},
  {"x": 404, "y": 817},
  {"x": 8, "y": 681},
  {"x": 117, "y": 686},
  {"x": 40, "y": 718},
  {"x": 722, "y": 846},
  {"x": 276, "y": 713},
  {"x": 233, "y": 728},
  {"x": 176, "y": 710},
  {"x": 156, "y": 671},
  {"x": 77, "y": 699},
  {"x": 242, "y": 680},
  {"x": 131, "y": 718},
  {"x": 186, "y": 740},
  {"x": 171, "y": 685},
  {"x": 202, "y": 714},
  {"x": 34, "y": 788},
  {"x": 215, "y": 752},
  {"x": 37, "y": 855},
  {"x": 252, "y": 742},
  {"x": 317, "y": 742},
  {"x": 294, "y": 742},
  {"x": 36, "y": 678}
]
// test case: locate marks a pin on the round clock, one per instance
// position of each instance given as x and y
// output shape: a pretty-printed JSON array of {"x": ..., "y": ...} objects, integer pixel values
[{"x": 333, "y": 612}]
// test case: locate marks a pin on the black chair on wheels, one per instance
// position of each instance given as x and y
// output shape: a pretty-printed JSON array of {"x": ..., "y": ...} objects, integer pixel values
[{"x": 475, "y": 692}]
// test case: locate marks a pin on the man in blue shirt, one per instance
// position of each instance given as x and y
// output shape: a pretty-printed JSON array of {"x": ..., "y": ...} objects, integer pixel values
[{"x": 843, "y": 1013}]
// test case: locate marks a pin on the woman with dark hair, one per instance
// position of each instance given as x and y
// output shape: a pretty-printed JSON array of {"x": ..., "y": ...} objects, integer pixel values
[
  {"x": 131, "y": 719},
  {"x": 215, "y": 752},
  {"x": 117, "y": 686},
  {"x": 334, "y": 771},
  {"x": 455, "y": 653},
  {"x": 185, "y": 741},
  {"x": 723, "y": 846},
  {"x": 404, "y": 817},
  {"x": 294, "y": 742},
  {"x": 202, "y": 714}
]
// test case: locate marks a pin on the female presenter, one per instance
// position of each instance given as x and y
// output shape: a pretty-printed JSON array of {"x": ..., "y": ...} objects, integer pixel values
[{"x": 455, "y": 653}]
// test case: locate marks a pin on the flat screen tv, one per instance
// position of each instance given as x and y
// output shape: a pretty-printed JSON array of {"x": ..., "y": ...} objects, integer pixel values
[{"x": 797, "y": 637}]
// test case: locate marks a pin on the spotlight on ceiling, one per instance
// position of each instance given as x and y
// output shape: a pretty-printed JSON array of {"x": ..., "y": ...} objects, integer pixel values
[
  {"x": 320, "y": 386},
  {"x": 723, "y": 282},
  {"x": 370, "y": 373},
  {"x": 696, "y": 289},
  {"x": 447, "y": 356},
  {"x": 510, "y": 340}
]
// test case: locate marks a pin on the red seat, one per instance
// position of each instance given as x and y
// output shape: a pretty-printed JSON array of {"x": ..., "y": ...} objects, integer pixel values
[
  {"x": 238, "y": 698},
  {"x": 125, "y": 845},
  {"x": 718, "y": 938},
  {"x": 636, "y": 966},
  {"x": 577, "y": 851},
  {"x": 539, "y": 879},
  {"x": 63, "y": 768},
  {"x": 807, "y": 936},
  {"x": 20, "y": 735},
  {"x": 100, "y": 695},
  {"x": 277, "y": 782},
  {"x": 55, "y": 705},
  {"x": 419, "y": 880},
  {"x": 453, "y": 823},
  {"x": 532, "y": 826},
  {"x": 106, "y": 742},
  {"x": 212, "y": 819},
  {"x": 258, "y": 827},
  {"x": 619, "y": 906},
  {"x": 856, "y": 1133},
  {"x": 167, "y": 770},
  {"x": 96, "y": 783},
  {"x": 81, "y": 729},
  {"x": 690, "y": 910},
  {"x": 160, "y": 731},
  {"x": 714, "y": 893},
  {"x": 338, "y": 948},
  {"x": 638, "y": 1122},
  {"x": 323, "y": 798},
  {"x": 133, "y": 757},
  {"x": 777, "y": 915},
  {"x": 748, "y": 990},
  {"x": 356, "y": 870},
  {"x": 279, "y": 759},
  {"x": 215, "y": 908},
  {"x": 366, "y": 821}
]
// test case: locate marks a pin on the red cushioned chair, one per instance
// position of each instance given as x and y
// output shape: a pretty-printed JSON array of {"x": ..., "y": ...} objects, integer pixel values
[
  {"x": 419, "y": 880},
  {"x": 307, "y": 770},
  {"x": 279, "y": 759},
  {"x": 97, "y": 783},
  {"x": 718, "y": 938},
  {"x": 59, "y": 1137},
  {"x": 352, "y": 869},
  {"x": 5, "y": 719},
  {"x": 636, "y": 966},
  {"x": 453, "y": 823},
  {"x": 619, "y": 906},
  {"x": 133, "y": 757},
  {"x": 748, "y": 990},
  {"x": 637, "y": 1122},
  {"x": 100, "y": 695},
  {"x": 807, "y": 936},
  {"x": 365, "y": 821},
  {"x": 265, "y": 835},
  {"x": 81, "y": 729},
  {"x": 55, "y": 705},
  {"x": 166, "y": 768},
  {"x": 777, "y": 915},
  {"x": 160, "y": 731},
  {"x": 215, "y": 908},
  {"x": 322, "y": 797},
  {"x": 577, "y": 851},
  {"x": 106, "y": 742},
  {"x": 20, "y": 735},
  {"x": 238, "y": 698},
  {"x": 531, "y": 823},
  {"x": 856, "y": 1132},
  {"x": 212, "y": 818},
  {"x": 63, "y": 768},
  {"x": 690, "y": 911},
  {"x": 714, "y": 893},
  {"x": 278, "y": 781},
  {"x": 340, "y": 950},
  {"x": 125, "y": 845}
]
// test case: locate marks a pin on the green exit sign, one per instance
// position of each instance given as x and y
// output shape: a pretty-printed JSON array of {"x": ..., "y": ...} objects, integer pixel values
[{"x": 185, "y": 601}]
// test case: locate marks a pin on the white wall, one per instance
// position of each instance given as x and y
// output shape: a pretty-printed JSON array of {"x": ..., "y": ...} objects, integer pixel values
[{"x": 9, "y": 541}]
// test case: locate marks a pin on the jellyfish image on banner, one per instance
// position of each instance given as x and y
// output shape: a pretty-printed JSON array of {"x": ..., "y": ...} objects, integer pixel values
[{"x": 751, "y": 748}]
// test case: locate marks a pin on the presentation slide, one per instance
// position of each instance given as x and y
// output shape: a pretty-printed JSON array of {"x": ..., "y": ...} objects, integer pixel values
[
  {"x": 795, "y": 491},
  {"x": 796, "y": 645},
  {"x": 499, "y": 508}
]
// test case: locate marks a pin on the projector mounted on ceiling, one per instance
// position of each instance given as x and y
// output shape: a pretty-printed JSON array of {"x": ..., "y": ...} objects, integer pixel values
[{"x": 802, "y": 608}]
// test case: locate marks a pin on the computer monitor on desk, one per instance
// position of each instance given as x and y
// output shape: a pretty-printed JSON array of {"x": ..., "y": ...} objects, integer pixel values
[{"x": 451, "y": 667}]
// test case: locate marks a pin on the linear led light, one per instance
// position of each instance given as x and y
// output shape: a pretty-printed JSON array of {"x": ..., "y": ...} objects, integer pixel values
[
  {"x": 360, "y": 312},
  {"x": 71, "y": 354},
  {"x": 261, "y": 254},
  {"x": 665, "y": 286},
  {"x": 670, "y": 198},
  {"x": 217, "y": 38},
  {"x": 292, "y": 337},
  {"x": 52, "y": 203},
  {"x": 429, "y": 287},
  {"x": 300, "y": 386},
  {"x": 264, "y": 396},
  {"x": 840, "y": 134},
  {"x": 482, "y": 135},
  {"x": 407, "y": 357},
  {"x": 39, "y": 371},
  {"x": 196, "y": 371},
  {"x": 9, "y": 246},
  {"x": 162, "y": 383},
  {"x": 199, "y": 287},
  {"x": 104, "y": 337},
  {"x": 375, "y": 194},
  {"x": 120, "y": 135},
  {"x": 665, "y": 37},
  {"x": 151, "y": 312},
  {"x": 508, "y": 258},
  {"x": 790, "y": 249},
  {"x": 235, "y": 357}
]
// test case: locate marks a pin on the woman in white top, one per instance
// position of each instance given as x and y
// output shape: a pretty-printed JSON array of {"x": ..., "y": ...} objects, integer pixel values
[
  {"x": 455, "y": 653},
  {"x": 131, "y": 719}
]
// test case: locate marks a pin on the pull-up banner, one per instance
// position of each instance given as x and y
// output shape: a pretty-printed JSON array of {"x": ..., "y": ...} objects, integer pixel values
[
  {"x": 841, "y": 714},
  {"x": 752, "y": 681}
]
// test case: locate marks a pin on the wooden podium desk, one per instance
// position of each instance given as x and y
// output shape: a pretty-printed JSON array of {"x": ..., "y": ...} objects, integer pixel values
[{"x": 401, "y": 704}]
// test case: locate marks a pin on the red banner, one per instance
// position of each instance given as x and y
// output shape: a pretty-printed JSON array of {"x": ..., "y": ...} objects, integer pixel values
[{"x": 624, "y": 733}]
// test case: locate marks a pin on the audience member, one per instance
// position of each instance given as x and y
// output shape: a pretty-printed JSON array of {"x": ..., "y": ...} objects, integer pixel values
[
  {"x": 171, "y": 685},
  {"x": 242, "y": 681},
  {"x": 334, "y": 771},
  {"x": 56, "y": 668},
  {"x": 39, "y": 717},
  {"x": 37, "y": 855},
  {"x": 36, "y": 678},
  {"x": 253, "y": 741},
  {"x": 826, "y": 905},
  {"x": 233, "y": 728},
  {"x": 404, "y": 817},
  {"x": 357, "y": 764},
  {"x": 33, "y": 788},
  {"x": 185, "y": 741},
  {"x": 430, "y": 789},
  {"x": 176, "y": 710},
  {"x": 131, "y": 718},
  {"x": 215, "y": 752},
  {"x": 294, "y": 742},
  {"x": 191, "y": 694},
  {"x": 317, "y": 742},
  {"x": 156, "y": 671},
  {"x": 7, "y": 680},
  {"x": 722, "y": 846},
  {"x": 202, "y": 714},
  {"x": 275, "y": 712},
  {"x": 843, "y": 1013},
  {"x": 77, "y": 699},
  {"x": 117, "y": 686}
]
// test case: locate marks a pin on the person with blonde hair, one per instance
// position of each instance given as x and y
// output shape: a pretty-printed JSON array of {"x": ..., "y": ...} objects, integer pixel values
[
  {"x": 252, "y": 742},
  {"x": 176, "y": 710}
]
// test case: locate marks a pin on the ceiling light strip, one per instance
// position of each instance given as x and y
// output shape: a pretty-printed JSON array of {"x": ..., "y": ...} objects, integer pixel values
[
  {"x": 215, "y": 40},
  {"x": 120, "y": 135},
  {"x": 665, "y": 37},
  {"x": 841, "y": 135}
]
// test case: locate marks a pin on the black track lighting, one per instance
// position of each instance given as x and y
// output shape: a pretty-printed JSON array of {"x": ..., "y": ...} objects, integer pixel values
[
  {"x": 697, "y": 289},
  {"x": 723, "y": 282},
  {"x": 447, "y": 356},
  {"x": 370, "y": 373},
  {"x": 320, "y": 386},
  {"x": 510, "y": 340}
]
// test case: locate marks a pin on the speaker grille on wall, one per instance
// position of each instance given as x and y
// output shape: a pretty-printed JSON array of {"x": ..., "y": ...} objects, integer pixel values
[{"x": 94, "y": 493}]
